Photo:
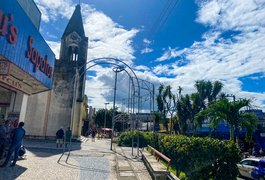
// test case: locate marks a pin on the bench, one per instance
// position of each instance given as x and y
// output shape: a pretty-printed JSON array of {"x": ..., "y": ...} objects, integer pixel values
[{"x": 157, "y": 170}]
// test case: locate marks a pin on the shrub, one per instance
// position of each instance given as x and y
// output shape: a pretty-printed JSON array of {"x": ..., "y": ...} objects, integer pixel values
[
  {"x": 202, "y": 158},
  {"x": 125, "y": 139},
  {"x": 193, "y": 157}
]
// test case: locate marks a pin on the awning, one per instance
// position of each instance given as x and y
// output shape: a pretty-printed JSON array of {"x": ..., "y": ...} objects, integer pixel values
[{"x": 14, "y": 78}]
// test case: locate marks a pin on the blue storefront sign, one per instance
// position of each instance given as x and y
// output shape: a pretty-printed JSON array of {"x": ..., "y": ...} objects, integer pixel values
[{"x": 22, "y": 44}]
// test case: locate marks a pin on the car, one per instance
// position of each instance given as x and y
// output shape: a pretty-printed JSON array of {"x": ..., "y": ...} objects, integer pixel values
[{"x": 253, "y": 168}]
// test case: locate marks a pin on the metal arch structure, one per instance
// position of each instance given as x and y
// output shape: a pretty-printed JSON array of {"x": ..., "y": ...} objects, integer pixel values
[
  {"x": 133, "y": 78},
  {"x": 150, "y": 88}
]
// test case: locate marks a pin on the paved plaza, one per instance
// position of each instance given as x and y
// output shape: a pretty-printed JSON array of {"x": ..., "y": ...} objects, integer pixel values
[{"x": 86, "y": 160}]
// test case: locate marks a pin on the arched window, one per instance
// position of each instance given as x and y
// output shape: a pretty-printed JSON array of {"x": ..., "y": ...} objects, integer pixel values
[
  {"x": 75, "y": 56},
  {"x": 73, "y": 53}
]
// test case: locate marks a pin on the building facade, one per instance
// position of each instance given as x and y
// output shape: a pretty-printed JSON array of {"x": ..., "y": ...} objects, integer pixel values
[
  {"x": 26, "y": 61},
  {"x": 62, "y": 106}
]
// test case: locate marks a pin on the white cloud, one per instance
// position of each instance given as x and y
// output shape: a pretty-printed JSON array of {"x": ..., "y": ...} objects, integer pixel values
[
  {"x": 141, "y": 67},
  {"x": 232, "y": 14},
  {"x": 55, "y": 46},
  {"x": 170, "y": 53},
  {"x": 146, "y": 41},
  {"x": 52, "y": 9},
  {"x": 107, "y": 38},
  {"x": 218, "y": 58},
  {"x": 146, "y": 50}
]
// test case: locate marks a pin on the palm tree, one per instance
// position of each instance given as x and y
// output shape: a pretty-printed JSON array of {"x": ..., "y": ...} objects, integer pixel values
[
  {"x": 170, "y": 103},
  {"x": 166, "y": 102},
  {"x": 230, "y": 112},
  {"x": 208, "y": 91},
  {"x": 161, "y": 105},
  {"x": 184, "y": 113}
]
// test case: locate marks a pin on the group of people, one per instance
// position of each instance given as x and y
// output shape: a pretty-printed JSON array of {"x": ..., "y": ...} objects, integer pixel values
[
  {"x": 62, "y": 137},
  {"x": 11, "y": 138},
  {"x": 95, "y": 133}
]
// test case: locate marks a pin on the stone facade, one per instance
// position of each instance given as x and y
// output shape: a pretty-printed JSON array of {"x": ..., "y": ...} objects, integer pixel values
[{"x": 61, "y": 107}]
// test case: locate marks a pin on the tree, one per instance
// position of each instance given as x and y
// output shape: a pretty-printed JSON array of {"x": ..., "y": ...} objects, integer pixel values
[
  {"x": 232, "y": 114},
  {"x": 166, "y": 102},
  {"x": 157, "y": 120},
  {"x": 207, "y": 93},
  {"x": 170, "y": 102},
  {"x": 100, "y": 116},
  {"x": 161, "y": 106},
  {"x": 184, "y": 113}
]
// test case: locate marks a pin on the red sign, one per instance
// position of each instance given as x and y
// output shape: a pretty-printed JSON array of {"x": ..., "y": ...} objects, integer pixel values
[
  {"x": 7, "y": 28},
  {"x": 37, "y": 60}
]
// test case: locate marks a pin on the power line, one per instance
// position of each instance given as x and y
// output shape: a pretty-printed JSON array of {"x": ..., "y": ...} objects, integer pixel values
[{"x": 163, "y": 17}]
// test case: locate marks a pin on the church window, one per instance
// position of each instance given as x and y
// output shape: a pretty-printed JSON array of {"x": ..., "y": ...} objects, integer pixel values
[{"x": 73, "y": 53}]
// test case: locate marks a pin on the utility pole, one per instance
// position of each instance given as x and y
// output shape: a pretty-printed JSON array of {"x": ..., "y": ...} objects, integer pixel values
[
  {"x": 105, "y": 119},
  {"x": 116, "y": 70}
]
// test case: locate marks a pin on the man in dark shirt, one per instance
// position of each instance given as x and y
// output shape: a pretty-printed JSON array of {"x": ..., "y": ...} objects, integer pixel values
[
  {"x": 18, "y": 135},
  {"x": 59, "y": 137}
]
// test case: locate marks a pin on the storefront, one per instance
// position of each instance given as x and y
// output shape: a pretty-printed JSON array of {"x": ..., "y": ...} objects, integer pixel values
[{"x": 26, "y": 61}]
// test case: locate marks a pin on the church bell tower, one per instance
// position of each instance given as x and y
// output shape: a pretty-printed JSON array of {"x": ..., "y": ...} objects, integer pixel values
[
  {"x": 73, "y": 52},
  {"x": 69, "y": 78}
]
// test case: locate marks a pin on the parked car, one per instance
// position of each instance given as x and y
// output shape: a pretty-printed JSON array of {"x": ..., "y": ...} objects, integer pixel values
[{"x": 253, "y": 168}]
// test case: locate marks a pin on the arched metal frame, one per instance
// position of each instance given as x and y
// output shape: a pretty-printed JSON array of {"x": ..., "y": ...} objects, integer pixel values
[{"x": 120, "y": 63}]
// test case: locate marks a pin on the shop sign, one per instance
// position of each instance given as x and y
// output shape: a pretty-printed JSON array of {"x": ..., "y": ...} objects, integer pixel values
[
  {"x": 4, "y": 67},
  {"x": 23, "y": 45},
  {"x": 17, "y": 84},
  {"x": 39, "y": 62},
  {"x": 11, "y": 34}
]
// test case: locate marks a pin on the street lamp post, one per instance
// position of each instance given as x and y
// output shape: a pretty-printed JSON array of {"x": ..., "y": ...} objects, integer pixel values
[
  {"x": 116, "y": 70},
  {"x": 105, "y": 119}
]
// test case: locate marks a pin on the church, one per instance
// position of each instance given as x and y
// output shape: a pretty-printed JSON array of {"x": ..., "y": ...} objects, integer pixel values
[{"x": 63, "y": 105}]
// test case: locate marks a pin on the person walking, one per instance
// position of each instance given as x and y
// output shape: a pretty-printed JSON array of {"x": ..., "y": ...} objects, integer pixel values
[
  {"x": 68, "y": 137},
  {"x": 59, "y": 137},
  {"x": 93, "y": 135},
  {"x": 18, "y": 135},
  {"x": 2, "y": 139}
]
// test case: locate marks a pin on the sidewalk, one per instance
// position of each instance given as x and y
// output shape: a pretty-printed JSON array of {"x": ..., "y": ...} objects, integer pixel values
[
  {"x": 87, "y": 160},
  {"x": 130, "y": 167}
]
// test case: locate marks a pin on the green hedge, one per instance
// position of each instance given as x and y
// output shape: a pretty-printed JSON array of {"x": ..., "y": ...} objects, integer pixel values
[
  {"x": 196, "y": 157},
  {"x": 125, "y": 139}
]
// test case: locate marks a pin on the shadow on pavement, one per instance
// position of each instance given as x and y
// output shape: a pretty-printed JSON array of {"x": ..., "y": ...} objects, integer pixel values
[
  {"x": 46, "y": 148},
  {"x": 73, "y": 166},
  {"x": 10, "y": 173}
]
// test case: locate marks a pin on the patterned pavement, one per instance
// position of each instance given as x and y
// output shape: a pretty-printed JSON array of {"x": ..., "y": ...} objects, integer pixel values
[{"x": 86, "y": 160}]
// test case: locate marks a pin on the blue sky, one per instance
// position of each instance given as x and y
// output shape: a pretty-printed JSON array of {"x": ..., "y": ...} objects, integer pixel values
[{"x": 172, "y": 42}]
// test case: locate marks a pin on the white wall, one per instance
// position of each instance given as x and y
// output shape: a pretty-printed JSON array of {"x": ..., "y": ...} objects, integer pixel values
[{"x": 36, "y": 114}]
